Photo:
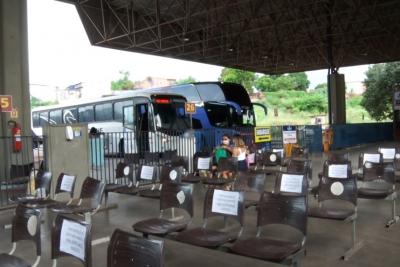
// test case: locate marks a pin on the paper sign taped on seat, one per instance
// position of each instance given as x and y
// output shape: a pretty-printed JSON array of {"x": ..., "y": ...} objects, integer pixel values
[
  {"x": 72, "y": 239},
  {"x": 291, "y": 183},
  {"x": 388, "y": 153},
  {"x": 225, "y": 202},
  {"x": 67, "y": 182},
  {"x": 374, "y": 158},
  {"x": 338, "y": 171},
  {"x": 147, "y": 173},
  {"x": 203, "y": 163}
]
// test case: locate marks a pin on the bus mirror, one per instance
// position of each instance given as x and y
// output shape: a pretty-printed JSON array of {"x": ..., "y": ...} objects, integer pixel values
[{"x": 260, "y": 112}]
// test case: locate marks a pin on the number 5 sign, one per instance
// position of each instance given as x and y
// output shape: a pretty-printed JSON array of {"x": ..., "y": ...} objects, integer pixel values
[{"x": 6, "y": 103}]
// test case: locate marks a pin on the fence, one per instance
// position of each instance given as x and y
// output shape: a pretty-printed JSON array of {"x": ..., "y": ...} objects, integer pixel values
[{"x": 18, "y": 166}]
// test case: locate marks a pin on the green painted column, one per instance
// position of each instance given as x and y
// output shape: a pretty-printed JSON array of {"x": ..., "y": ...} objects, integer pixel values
[{"x": 337, "y": 98}]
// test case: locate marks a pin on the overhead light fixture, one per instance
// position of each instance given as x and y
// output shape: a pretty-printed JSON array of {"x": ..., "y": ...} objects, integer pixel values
[
  {"x": 185, "y": 39},
  {"x": 231, "y": 49},
  {"x": 291, "y": 64},
  {"x": 265, "y": 57}
]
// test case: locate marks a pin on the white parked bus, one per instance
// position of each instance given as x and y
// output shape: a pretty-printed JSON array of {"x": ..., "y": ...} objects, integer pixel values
[{"x": 134, "y": 121}]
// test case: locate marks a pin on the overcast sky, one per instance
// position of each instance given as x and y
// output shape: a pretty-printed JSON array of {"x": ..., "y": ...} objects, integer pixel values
[{"x": 60, "y": 54}]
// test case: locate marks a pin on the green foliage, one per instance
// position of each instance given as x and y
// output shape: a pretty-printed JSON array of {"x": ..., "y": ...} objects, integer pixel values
[
  {"x": 380, "y": 83},
  {"x": 245, "y": 78},
  {"x": 189, "y": 79},
  {"x": 36, "y": 102},
  {"x": 123, "y": 83},
  {"x": 274, "y": 83},
  {"x": 299, "y": 81}
]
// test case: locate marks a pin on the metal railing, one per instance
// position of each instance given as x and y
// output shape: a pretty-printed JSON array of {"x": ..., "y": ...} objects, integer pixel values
[{"x": 19, "y": 165}]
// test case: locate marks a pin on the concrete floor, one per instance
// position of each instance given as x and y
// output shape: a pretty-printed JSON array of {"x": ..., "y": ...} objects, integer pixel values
[{"x": 327, "y": 240}]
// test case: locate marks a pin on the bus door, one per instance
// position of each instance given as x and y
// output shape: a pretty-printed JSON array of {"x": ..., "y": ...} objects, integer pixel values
[
  {"x": 260, "y": 114},
  {"x": 143, "y": 126}
]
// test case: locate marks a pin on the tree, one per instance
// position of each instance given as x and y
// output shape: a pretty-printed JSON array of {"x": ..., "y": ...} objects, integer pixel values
[
  {"x": 299, "y": 80},
  {"x": 274, "y": 83},
  {"x": 189, "y": 79},
  {"x": 123, "y": 83},
  {"x": 380, "y": 83},
  {"x": 321, "y": 88},
  {"x": 36, "y": 102},
  {"x": 245, "y": 78}
]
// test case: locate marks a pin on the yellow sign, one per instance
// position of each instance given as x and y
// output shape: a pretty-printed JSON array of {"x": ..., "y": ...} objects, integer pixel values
[
  {"x": 190, "y": 108},
  {"x": 14, "y": 113},
  {"x": 5, "y": 103},
  {"x": 262, "y": 134}
]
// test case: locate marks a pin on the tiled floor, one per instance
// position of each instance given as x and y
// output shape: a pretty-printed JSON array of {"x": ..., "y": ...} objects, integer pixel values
[{"x": 326, "y": 241}]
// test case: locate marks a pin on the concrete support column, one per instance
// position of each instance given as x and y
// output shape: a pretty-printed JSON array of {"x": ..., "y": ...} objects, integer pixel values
[
  {"x": 14, "y": 77},
  {"x": 337, "y": 98}
]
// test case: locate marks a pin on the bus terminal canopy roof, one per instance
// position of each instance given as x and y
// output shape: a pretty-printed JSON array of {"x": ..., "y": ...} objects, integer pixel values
[{"x": 268, "y": 36}]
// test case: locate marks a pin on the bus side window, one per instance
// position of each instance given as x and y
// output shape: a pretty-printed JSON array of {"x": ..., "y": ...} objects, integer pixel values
[
  {"x": 128, "y": 117},
  {"x": 55, "y": 116},
  {"x": 142, "y": 117},
  {"x": 43, "y": 118},
  {"x": 86, "y": 114},
  {"x": 70, "y": 116},
  {"x": 118, "y": 109},
  {"x": 35, "y": 119}
]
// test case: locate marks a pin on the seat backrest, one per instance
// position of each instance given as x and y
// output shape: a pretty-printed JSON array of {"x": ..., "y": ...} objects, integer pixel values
[
  {"x": 202, "y": 163},
  {"x": 298, "y": 166},
  {"x": 146, "y": 173},
  {"x": 269, "y": 158},
  {"x": 26, "y": 226},
  {"x": 151, "y": 157},
  {"x": 125, "y": 249},
  {"x": 178, "y": 161},
  {"x": 300, "y": 152},
  {"x": 131, "y": 158},
  {"x": 177, "y": 196},
  {"x": 336, "y": 157},
  {"x": 20, "y": 170},
  {"x": 227, "y": 164},
  {"x": 388, "y": 153},
  {"x": 291, "y": 184},
  {"x": 92, "y": 189},
  {"x": 338, "y": 188},
  {"x": 44, "y": 181},
  {"x": 250, "y": 181},
  {"x": 373, "y": 171},
  {"x": 224, "y": 203},
  {"x": 65, "y": 184},
  {"x": 170, "y": 174},
  {"x": 337, "y": 169},
  {"x": 283, "y": 209},
  {"x": 71, "y": 237},
  {"x": 123, "y": 170},
  {"x": 370, "y": 157},
  {"x": 169, "y": 155}
]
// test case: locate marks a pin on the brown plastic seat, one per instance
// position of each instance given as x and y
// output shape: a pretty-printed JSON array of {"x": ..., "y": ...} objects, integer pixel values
[
  {"x": 277, "y": 209},
  {"x": 71, "y": 225},
  {"x": 25, "y": 226},
  {"x": 212, "y": 238},
  {"x": 172, "y": 196},
  {"x": 167, "y": 156},
  {"x": 42, "y": 188},
  {"x": 253, "y": 184},
  {"x": 19, "y": 174},
  {"x": 300, "y": 152},
  {"x": 131, "y": 158},
  {"x": 279, "y": 184},
  {"x": 122, "y": 171},
  {"x": 169, "y": 174},
  {"x": 224, "y": 165},
  {"x": 180, "y": 161},
  {"x": 89, "y": 200},
  {"x": 152, "y": 192},
  {"x": 378, "y": 182},
  {"x": 41, "y": 203},
  {"x": 343, "y": 193},
  {"x": 197, "y": 176},
  {"x": 127, "y": 250}
]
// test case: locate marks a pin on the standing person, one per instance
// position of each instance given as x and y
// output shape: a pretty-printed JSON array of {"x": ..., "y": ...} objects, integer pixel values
[
  {"x": 224, "y": 150},
  {"x": 240, "y": 151}
]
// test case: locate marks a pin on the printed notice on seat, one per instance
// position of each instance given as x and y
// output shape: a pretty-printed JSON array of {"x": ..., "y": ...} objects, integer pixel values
[
  {"x": 67, "y": 183},
  {"x": 72, "y": 239},
  {"x": 203, "y": 163},
  {"x": 291, "y": 183},
  {"x": 388, "y": 153},
  {"x": 338, "y": 171},
  {"x": 147, "y": 172},
  {"x": 225, "y": 202},
  {"x": 374, "y": 158}
]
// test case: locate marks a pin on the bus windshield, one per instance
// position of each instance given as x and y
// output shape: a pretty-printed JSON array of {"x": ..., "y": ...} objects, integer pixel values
[{"x": 171, "y": 116}]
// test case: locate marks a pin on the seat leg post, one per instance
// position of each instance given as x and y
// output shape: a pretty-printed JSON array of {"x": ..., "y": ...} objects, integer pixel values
[
  {"x": 105, "y": 198},
  {"x": 395, "y": 218},
  {"x": 355, "y": 245}
]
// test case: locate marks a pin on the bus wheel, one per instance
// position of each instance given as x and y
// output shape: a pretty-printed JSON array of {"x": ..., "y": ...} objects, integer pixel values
[{"x": 121, "y": 148}]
